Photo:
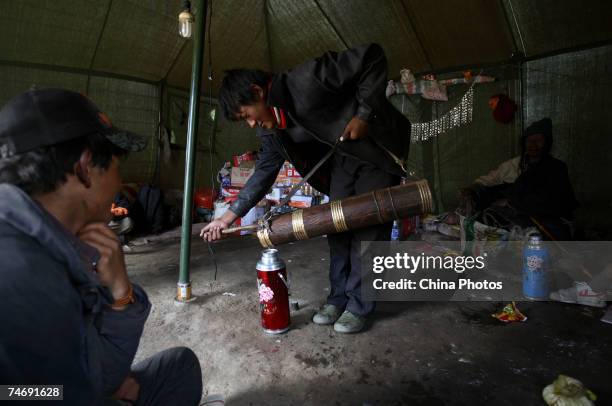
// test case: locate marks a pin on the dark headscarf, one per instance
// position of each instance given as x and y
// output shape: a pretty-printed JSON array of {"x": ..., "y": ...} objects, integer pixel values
[{"x": 544, "y": 127}]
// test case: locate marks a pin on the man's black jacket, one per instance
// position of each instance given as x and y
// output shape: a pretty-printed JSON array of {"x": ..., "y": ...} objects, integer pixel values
[
  {"x": 56, "y": 326},
  {"x": 322, "y": 96}
]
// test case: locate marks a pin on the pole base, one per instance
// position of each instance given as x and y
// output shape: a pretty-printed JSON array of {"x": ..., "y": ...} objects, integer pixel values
[
  {"x": 183, "y": 293},
  {"x": 181, "y": 302}
]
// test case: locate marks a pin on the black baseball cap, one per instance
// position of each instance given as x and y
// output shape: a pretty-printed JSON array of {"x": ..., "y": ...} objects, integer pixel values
[{"x": 44, "y": 117}]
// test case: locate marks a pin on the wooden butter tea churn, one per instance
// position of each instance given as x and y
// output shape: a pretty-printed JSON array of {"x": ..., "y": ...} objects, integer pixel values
[{"x": 376, "y": 207}]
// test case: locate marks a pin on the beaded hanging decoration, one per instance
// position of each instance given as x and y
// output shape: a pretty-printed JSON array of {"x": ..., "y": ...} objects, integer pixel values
[{"x": 458, "y": 116}]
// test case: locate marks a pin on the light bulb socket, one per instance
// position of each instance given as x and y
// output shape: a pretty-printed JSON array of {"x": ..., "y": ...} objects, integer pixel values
[{"x": 185, "y": 15}]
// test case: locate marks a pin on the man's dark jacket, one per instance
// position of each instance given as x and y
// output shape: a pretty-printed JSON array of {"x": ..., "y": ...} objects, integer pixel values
[
  {"x": 322, "y": 96},
  {"x": 56, "y": 327},
  {"x": 544, "y": 190}
]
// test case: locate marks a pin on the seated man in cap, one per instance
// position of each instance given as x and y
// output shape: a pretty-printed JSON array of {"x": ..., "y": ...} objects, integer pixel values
[
  {"x": 70, "y": 315},
  {"x": 532, "y": 189}
]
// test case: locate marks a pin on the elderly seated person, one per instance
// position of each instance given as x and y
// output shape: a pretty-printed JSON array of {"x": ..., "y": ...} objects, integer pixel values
[{"x": 532, "y": 189}]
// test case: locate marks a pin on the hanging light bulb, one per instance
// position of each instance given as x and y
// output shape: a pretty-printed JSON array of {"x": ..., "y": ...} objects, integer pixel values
[{"x": 185, "y": 20}]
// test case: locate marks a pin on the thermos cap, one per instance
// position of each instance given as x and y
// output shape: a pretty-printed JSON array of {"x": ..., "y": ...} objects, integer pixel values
[
  {"x": 535, "y": 238},
  {"x": 269, "y": 253},
  {"x": 270, "y": 261}
]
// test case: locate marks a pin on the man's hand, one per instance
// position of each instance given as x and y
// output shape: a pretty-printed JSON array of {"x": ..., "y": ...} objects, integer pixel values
[
  {"x": 466, "y": 200},
  {"x": 465, "y": 193},
  {"x": 355, "y": 130},
  {"x": 111, "y": 267},
  {"x": 128, "y": 390},
  {"x": 212, "y": 231}
]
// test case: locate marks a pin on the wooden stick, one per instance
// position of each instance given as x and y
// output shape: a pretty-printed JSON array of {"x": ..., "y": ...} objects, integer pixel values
[
  {"x": 554, "y": 240},
  {"x": 252, "y": 227}
]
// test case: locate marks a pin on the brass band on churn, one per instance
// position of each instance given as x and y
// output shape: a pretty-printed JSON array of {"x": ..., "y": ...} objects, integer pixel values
[
  {"x": 264, "y": 238},
  {"x": 338, "y": 216},
  {"x": 425, "y": 194},
  {"x": 297, "y": 221}
]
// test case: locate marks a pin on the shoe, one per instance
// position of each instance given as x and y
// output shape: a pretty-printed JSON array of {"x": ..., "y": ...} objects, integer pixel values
[
  {"x": 213, "y": 400},
  {"x": 327, "y": 314},
  {"x": 349, "y": 323},
  {"x": 580, "y": 293}
]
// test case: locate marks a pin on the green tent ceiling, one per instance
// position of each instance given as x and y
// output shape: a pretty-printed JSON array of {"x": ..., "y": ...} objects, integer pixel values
[{"x": 138, "y": 38}]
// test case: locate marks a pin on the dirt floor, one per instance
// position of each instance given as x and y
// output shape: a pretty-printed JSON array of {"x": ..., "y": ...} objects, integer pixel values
[{"x": 416, "y": 353}]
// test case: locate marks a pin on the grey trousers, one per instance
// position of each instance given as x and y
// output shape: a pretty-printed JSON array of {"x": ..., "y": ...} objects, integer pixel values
[
  {"x": 171, "y": 377},
  {"x": 350, "y": 177}
]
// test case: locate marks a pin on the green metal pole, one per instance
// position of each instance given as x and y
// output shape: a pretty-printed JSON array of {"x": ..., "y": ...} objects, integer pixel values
[{"x": 184, "y": 283}]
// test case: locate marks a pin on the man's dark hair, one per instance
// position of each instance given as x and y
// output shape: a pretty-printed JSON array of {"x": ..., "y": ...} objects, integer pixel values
[
  {"x": 43, "y": 170},
  {"x": 236, "y": 90}
]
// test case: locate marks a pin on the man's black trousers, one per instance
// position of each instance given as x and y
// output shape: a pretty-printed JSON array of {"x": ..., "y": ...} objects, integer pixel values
[{"x": 351, "y": 177}]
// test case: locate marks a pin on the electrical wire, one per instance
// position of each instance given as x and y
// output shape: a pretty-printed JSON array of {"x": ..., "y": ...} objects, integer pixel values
[
  {"x": 214, "y": 259},
  {"x": 518, "y": 28},
  {"x": 213, "y": 128}
]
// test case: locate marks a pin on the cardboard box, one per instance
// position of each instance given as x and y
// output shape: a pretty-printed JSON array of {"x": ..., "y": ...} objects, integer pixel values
[
  {"x": 247, "y": 156},
  {"x": 241, "y": 175},
  {"x": 292, "y": 173},
  {"x": 276, "y": 194},
  {"x": 247, "y": 164},
  {"x": 229, "y": 191},
  {"x": 288, "y": 175},
  {"x": 300, "y": 202}
]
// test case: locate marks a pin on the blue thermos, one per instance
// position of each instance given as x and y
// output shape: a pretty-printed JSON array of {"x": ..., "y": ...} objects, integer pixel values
[{"x": 536, "y": 262}]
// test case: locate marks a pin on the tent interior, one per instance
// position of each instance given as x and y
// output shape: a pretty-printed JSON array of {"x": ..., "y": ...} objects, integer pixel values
[{"x": 552, "y": 57}]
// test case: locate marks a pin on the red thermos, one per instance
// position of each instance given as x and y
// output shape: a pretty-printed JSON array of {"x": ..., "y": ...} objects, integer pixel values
[{"x": 273, "y": 289}]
